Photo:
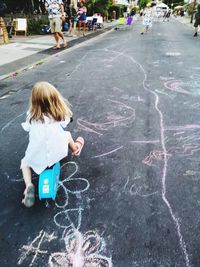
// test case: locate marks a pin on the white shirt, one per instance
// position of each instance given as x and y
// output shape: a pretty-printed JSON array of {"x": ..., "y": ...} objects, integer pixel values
[
  {"x": 48, "y": 143},
  {"x": 53, "y": 8}
]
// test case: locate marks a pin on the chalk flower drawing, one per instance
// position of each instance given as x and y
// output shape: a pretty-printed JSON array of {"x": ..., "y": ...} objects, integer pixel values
[{"x": 81, "y": 251}]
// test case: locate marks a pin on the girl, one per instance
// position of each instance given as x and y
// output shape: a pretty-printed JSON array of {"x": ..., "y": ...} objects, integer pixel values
[
  {"x": 48, "y": 114},
  {"x": 147, "y": 18}
]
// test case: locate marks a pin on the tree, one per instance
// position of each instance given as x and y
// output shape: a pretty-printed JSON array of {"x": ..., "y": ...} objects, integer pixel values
[
  {"x": 98, "y": 6},
  {"x": 26, "y": 6},
  {"x": 143, "y": 3}
]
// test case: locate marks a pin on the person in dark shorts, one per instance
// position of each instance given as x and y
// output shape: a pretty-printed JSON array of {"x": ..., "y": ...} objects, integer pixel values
[
  {"x": 197, "y": 21},
  {"x": 71, "y": 18},
  {"x": 82, "y": 18}
]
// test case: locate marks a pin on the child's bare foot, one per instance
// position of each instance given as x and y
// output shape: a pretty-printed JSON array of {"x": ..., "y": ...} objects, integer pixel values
[
  {"x": 29, "y": 196},
  {"x": 79, "y": 143}
]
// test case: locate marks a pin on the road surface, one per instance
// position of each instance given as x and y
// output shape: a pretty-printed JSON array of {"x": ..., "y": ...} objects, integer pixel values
[{"x": 132, "y": 199}]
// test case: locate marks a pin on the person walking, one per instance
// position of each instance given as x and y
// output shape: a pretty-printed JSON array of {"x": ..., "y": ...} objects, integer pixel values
[
  {"x": 167, "y": 15},
  {"x": 49, "y": 113},
  {"x": 147, "y": 18},
  {"x": 197, "y": 21},
  {"x": 55, "y": 10},
  {"x": 72, "y": 18},
  {"x": 82, "y": 18}
]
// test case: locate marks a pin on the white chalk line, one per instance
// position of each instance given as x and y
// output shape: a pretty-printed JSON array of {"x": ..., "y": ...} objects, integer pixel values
[{"x": 173, "y": 216}]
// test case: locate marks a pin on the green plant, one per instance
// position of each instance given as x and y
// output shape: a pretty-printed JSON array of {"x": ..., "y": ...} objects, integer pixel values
[
  {"x": 191, "y": 9},
  {"x": 98, "y": 6},
  {"x": 118, "y": 9},
  {"x": 35, "y": 25}
]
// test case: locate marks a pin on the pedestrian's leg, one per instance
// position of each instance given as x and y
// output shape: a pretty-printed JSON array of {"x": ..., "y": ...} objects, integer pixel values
[
  {"x": 56, "y": 36},
  {"x": 143, "y": 31},
  {"x": 61, "y": 34},
  {"x": 79, "y": 27},
  {"x": 75, "y": 24},
  {"x": 195, "y": 31},
  {"x": 84, "y": 24},
  {"x": 29, "y": 192},
  {"x": 70, "y": 27}
]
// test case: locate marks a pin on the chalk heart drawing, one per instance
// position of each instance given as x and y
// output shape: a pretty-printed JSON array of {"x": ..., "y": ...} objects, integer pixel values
[
  {"x": 82, "y": 250},
  {"x": 121, "y": 115}
]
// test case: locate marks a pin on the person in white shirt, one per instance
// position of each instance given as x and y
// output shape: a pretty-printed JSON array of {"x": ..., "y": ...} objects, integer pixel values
[
  {"x": 47, "y": 117},
  {"x": 147, "y": 18},
  {"x": 55, "y": 10}
]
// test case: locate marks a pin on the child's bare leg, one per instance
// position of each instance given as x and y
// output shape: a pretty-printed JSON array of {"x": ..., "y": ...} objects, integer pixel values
[
  {"x": 29, "y": 192},
  {"x": 26, "y": 171}
]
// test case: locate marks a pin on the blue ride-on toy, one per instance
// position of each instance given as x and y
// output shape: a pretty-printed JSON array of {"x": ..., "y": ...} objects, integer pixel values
[{"x": 48, "y": 182}]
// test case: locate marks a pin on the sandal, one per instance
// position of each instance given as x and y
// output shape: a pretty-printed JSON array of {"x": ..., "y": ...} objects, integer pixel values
[
  {"x": 80, "y": 143},
  {"x": 29, "y": 198}
]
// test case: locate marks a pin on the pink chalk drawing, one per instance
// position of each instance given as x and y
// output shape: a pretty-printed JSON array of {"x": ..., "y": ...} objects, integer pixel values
[
  {"x": 186, "y": 142},
  {"x": 121, "y": 116},
  {"x": 176, "y": 85},
  {"x": 155, "y": 155},
  {"x": 108, "y": 153},
  {"x": 81, "y": 250}
]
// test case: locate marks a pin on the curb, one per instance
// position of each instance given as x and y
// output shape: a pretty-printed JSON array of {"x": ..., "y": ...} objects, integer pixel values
[{"x": 49, "y": 53}]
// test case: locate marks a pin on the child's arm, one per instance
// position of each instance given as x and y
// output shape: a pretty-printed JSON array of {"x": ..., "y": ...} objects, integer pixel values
[
  {"x": 66, "y": 122},
  {"x": 26, "y": 125}
]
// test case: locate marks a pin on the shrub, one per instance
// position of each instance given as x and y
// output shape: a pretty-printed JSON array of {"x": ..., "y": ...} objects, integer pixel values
[
  {"x": 35, "y": 25},
  {"x": 118, "y": 9}
]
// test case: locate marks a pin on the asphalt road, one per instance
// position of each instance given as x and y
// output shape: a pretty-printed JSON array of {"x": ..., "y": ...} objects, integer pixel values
[{"x": 132, "y": 199}]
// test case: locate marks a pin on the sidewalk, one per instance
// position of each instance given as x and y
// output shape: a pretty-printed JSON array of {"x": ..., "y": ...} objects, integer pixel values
[
  {"x": 185, "y": 20},
  {"x": 25, "y": 52}
]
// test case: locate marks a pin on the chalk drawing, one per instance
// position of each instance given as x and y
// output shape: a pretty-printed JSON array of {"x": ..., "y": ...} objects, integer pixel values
[
  {"x": 164, "y": 155},
  {"x": 145, "y": 142},
  {"x": 192, "y": 86},
  {"x": 108, "y": 153},
  {"x": 187, "y": 127},
  {"x": 192, "y": 175},
  {"x": 137, "y": 189},
  {"x": 155, "y": 155},
  {"x": 34, "y": 248},
  {"x": 173, "y": 54},
  {"x": 176, "y": 86},
  {"x": 82, "y": 250},
  {"x": 11, "y": 121},
  {"x": 186, "y": 139},
  {"x": 113, "y": 120},
  {"x": 166, "y": 78}
]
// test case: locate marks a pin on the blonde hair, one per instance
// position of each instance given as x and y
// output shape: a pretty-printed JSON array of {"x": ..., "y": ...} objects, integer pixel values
[{"x": 46, "y": 100}]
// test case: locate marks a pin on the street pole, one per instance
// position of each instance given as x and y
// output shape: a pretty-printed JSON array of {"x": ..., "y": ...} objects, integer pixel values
[{"x": 194, "y": 5}]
